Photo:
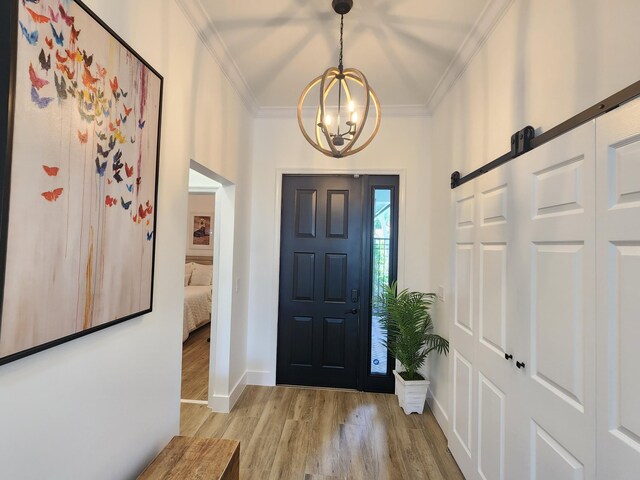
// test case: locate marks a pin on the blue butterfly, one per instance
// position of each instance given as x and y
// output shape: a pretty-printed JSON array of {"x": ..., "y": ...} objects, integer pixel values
[
  {"x": 32, "y": 37},
  {"x": 130, "y": 187},
  {"x": 141, "y": 124},
  {"x": 150, "y": 235},
  {"x": 41, "y": 102},
  {"x": 125, "y": 205},
  {"x": 58, "y": 38},
  {"x": 100, "y": 167}
]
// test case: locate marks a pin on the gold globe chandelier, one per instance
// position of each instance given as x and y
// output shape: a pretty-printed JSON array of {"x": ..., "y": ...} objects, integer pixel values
[{"x": 342, "y": 113}]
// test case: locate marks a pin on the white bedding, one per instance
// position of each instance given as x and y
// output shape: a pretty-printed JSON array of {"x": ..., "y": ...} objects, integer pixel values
[{"x": 197, "y": 308}]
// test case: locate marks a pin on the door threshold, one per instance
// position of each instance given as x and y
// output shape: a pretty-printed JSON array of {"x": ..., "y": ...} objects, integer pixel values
[{"x": 311, "y": 387}]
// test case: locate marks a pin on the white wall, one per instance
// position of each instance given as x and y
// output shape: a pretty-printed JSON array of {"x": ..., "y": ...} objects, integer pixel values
[
  {"x": 401, "y": 147},
  {"x": 200, "y": 204},
  {"x": 544, "y": 62},
  {"x": 102, "y": 406}
]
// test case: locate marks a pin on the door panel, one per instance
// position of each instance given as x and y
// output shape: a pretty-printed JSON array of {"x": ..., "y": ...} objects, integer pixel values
[{"x": 618, "y": 254}]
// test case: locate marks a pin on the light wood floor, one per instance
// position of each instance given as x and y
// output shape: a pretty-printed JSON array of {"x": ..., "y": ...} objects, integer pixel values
[
  {"x": 312, "y": 434},
  {"x": 195, "y": 365}
]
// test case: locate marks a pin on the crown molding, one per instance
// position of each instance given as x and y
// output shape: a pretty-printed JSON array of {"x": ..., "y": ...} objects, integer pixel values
[
  {"x": 210, "y": 37},
  {"x": 387, "y": 111},
  {"x": 491, "y": 15}
]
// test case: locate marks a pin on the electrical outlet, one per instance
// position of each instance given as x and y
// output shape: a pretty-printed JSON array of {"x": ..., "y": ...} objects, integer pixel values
[{"x": 441, "y": 293}]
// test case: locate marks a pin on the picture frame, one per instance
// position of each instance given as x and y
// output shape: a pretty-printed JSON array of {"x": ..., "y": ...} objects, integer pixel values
[
  {"x": 202, "y": 231},
  {"x": 79, "y": 164}
]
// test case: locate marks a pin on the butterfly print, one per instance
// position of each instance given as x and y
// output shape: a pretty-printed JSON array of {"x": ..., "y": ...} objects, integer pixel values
[
  {"x": 61, "y": 86},
  {"x": 53, "y": 195},
  {"x": 41, "y": 102},
  {"x": 37, "y": 17},
  {"x": 31, "y": 37},
  {"x": 58, "y": 38},
  {"x": 53, "y": 16},
  {"x": 100, "y": 167},
  {"x": 35, "y": 80},
  {"x": 51, "y": 171},
  {"x": 68, "y": 19},
  {"x": 45, "y": 62}
]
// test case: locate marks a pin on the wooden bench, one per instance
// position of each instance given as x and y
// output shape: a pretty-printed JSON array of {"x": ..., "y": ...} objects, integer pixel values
[{"x": 187, "y": 458}]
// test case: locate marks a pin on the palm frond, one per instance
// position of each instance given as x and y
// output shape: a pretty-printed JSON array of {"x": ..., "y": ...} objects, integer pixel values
[{"x": 405, "y": 317}]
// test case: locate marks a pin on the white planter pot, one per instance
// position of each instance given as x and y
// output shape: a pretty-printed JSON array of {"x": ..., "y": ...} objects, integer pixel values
[{"x": 412, "y": 394}]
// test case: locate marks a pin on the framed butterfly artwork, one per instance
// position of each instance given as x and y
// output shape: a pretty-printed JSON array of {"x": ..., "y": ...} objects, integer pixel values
[{"x": 80, "y": 115}]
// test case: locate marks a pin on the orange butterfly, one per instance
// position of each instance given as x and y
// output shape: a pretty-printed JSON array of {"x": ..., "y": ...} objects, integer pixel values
[
  {"x": 36, "y": 17},
  {"x": 60, "y": 58},
  {"x": 83, "y": 137},
  {"x": 74, "y": 34},
  {"x": 53, "y": 195},
  {"x": 118, "y": 122},
  {"x": 111, "y": 127},
  {"x": 51, "y": 171},
  {"x": 49, "y": 42},
  {"x": 142, "y": 213},
  {"x": 135, "y": 218},
  {"x": 110, "y": 201},
  {"x": 128, "y": 169},
  {"x": 35, "y": 80},
  {"x": 88, "y": 80},
  {"x": 109, "y": 181},
  {"x": 114, "y": 84},
  {"x": 127, "y": 111},
  {"x": 64, "y": 69},
  {"x": 148, "y": 222},
  {"x": 149, "y": 208},
  {"x": 70, "y": 53}
]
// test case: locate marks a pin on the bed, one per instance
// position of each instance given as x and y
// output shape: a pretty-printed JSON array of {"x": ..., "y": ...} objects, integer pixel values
[{"x": 197, "y": 294}]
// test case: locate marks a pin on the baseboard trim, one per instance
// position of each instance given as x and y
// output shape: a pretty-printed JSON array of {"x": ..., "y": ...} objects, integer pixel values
[
  {"x": 441, "y": 415},
  {"x": 263, "y": 378},
  {"x": 225, "y": 403}
]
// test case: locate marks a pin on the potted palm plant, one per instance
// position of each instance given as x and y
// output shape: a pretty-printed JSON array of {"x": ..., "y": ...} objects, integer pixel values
[{"x": 405, "y": 317}]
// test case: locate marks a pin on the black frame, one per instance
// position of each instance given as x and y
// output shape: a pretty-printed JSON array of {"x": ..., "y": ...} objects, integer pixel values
[
  {"x": 8, "y": 58},
  {"x": 366, "y": 381}
]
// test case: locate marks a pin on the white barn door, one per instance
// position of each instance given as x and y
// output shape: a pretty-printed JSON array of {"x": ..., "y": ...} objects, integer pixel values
[
  {"x": 554, "y": 194},
  {"x": 618, "y": 253}
]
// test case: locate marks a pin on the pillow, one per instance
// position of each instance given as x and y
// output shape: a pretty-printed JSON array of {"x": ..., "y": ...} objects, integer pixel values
[
  {"x": 189, "y": 267},
  {"x": 187, "y": 279},
  {"x": 201, "y": 276}
]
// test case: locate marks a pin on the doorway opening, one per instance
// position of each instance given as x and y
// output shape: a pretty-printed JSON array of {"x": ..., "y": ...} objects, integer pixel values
[
  {"x": 207, "y": 284},
  {"x": 339, "y": 247}
]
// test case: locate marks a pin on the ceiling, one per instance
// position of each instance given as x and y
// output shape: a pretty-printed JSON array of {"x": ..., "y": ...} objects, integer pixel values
[{"x": 276, "y": 47}]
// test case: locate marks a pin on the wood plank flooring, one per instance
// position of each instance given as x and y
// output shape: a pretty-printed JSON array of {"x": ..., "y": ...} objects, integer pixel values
[
  {"x": 313, "y": 434},
  {"x": 195, "y": 365}
]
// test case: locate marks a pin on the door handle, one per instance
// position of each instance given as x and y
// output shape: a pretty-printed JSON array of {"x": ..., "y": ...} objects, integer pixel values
[
  {"x": 520, "y": 364},
  {"x": 508, "y": 356},
  {"x": 353, "y": 311}
]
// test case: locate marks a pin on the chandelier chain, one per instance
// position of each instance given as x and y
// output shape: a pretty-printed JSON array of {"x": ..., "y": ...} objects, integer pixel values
[{"x": 341, "y": 44}]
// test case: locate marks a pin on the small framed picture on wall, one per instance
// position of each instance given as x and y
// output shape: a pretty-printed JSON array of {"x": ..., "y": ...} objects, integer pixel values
[{"x": 202, "y": 237}]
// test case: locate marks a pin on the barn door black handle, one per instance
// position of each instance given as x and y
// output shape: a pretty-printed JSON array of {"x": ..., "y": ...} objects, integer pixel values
[
  {"x": 508, "y": 356},
  {"x": 353, "y": 311},
  {"x": 520, "y": 364}
]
